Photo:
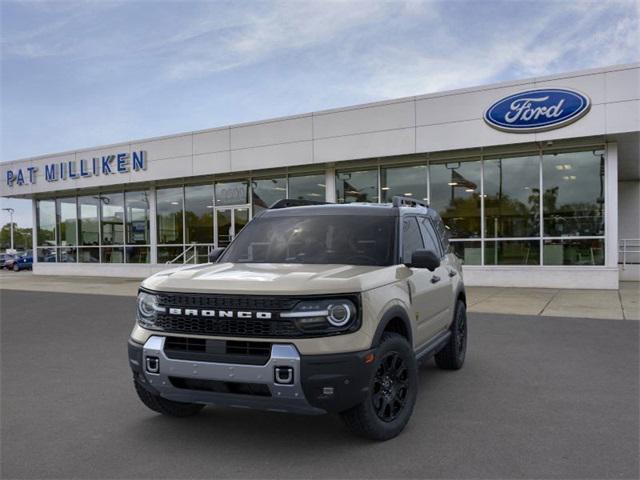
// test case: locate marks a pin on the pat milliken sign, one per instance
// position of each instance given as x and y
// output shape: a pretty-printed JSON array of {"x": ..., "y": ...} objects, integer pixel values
[
  {"x": 105, "y": 165},
  {"x": 537, "y": 110}
]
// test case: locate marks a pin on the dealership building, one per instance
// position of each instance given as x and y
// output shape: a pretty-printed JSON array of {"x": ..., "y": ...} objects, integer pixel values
[{"x": 536, "y": 179}]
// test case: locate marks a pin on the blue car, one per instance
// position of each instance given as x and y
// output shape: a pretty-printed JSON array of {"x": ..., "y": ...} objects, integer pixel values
[{"x": 23, "y": 262}]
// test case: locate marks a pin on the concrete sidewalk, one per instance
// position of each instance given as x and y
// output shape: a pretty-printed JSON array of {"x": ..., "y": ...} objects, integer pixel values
[{"x": 623, "y": 304}]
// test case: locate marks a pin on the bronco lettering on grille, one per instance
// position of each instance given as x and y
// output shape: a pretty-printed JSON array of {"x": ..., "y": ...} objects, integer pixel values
[{"x": 192, "y": 312}]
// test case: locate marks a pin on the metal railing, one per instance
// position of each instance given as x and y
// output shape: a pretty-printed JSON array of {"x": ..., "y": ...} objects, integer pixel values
[
  {"x": 190, "y": 250},
  {"x": 628, "y": 249}
]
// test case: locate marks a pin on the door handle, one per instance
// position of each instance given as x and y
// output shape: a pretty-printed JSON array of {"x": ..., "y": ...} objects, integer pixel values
[
  {"x": 435, "y": 279},
  {"x": 452, "y": 273}
]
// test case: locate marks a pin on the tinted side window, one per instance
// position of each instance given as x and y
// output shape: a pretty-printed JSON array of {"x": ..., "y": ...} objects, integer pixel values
[
  {"x": 430, "y": 237},
  {"x": 411, "y": 238},
  {"x": 442, "y": 231}
]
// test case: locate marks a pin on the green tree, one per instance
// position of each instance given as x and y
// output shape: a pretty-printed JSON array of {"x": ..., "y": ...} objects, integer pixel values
[{"x": 21, "y": 237}]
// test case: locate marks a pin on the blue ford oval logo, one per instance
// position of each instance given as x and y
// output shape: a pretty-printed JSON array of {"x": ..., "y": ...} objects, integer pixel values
[{"x": 537, "y": 110}]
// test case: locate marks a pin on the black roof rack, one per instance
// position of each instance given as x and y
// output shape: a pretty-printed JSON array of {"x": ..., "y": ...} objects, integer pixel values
[
  {"x": 400, "y": 201},
  {"x": 292, "y": 202}
]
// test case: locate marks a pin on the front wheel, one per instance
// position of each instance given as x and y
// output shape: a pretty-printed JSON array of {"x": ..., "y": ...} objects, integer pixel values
[
  {"x": 452, "y": 356},
  {"x": 16, "y": 268},
  {"x": 392, "y": 392}
]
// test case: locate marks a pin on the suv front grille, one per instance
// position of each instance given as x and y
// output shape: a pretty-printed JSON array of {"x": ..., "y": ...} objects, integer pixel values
[
  {"x": 236, "y": 327},
  {"x": 221, "y": 351},
  {"x": 230, "y": 302}
]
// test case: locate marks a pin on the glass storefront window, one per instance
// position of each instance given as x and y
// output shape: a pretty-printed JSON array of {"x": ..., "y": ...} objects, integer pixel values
[
  {"x": 232, "y": 193},
  {"x": 407, "y": 181},
  {"x": 89, "y": 255},
  {"x": 47, "y": 254},
  {"x": 573, "y": 198},
  {"x": 512, "y": 197},
  {"x": 137, "y": 218},
  {"x": 46, "y": 217},
  {"x": 166, "y": 254},
  {"x": 512, "y": 252},
  {"x": 360, "y": 186},
  {"x": 455, "y": 195},
  {"x": 169, "y": 207},
  {"x": 469, "y": 252},
  {"x": 67, "y": 221},
  {"x": 112, "y": 255},
  {"x": 137, "y": 254},
  {"x": 67, "y": 255},
  {"x": 112, "y": 218},
  {"x": 198, "y": 213},
  {"x": 573, "y": 252},
  {"x": 307, "y": 187},
  {"x": 88, "y": 226},
  {"x": 265, "y": 192}
]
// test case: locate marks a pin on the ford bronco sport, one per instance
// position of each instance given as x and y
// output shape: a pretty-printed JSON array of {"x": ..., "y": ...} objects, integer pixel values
[{"x": 313, "y": 308}]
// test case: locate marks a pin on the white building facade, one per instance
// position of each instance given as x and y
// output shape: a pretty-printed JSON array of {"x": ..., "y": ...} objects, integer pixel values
[{"x": 537, "y": 181}]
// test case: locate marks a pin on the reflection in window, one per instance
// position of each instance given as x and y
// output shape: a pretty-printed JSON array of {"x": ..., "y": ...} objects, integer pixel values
[
  {"x": 112, "y": 255},
  {"x": 88, "y": 221},
  {"x": 359, "y": 186},
  {"x": 46, "y": 217},
  {"x": 512, "y": 252},
  {"x": 469, "y": 252},
  {"x": 137, "y": 218},
  {"x": 198, "y": 213},
  {"x": 169, "y": 207},
  {"x": 67, "y": 213},
  {"x": 407, "y": 181},
  {"x": 573, "y": 198},
  {"x": 512, "y": 197},
  {"x": 455, "y": 195},
  {"x": 267, "y": 191},
  {"x": 307, "y": 187},
  {"x": 89, "y": 255},
  {"x": 137, "y": 254},
  {"x": 232, "y": 193},
  {"x": 411, "y": 238},
  {"x": 112, "y": 217},
  {"x": 573, "y": 252},
  {"x": 166, "y": 254}
]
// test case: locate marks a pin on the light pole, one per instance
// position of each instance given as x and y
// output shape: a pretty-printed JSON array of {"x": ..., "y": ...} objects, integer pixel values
[{"x": 11, "y": 212}]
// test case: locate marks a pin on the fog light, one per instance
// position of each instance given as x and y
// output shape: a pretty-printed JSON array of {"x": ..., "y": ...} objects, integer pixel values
[{"x": 152, "y": 364}]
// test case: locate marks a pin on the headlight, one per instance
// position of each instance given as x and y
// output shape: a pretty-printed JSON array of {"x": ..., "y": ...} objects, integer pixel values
[
  {"x": 335, "y": 315},
  {"x": 148, "y": 309}
]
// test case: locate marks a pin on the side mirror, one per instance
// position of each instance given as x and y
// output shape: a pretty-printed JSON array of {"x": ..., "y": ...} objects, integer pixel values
[
  {"x": 424, "y": 259},
  {"x": 215, "y": 254}
]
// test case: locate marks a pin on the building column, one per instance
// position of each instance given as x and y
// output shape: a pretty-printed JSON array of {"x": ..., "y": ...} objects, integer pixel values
[
  {"x": 34, "y": 230},
  {"x": 330, "y": 183},
  {"x": 153, "y": 226},
  {"x": 611, "y": 205}
]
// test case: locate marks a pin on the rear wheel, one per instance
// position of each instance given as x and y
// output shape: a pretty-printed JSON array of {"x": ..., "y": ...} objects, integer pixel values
[
  {"x": 452, "y": 356},
  {"x": 392, "y": 392},
  {"x": 164, "y": 406}
]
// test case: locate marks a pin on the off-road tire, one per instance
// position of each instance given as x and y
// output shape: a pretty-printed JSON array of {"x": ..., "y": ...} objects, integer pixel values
[
  {"x": 364, "y": 419},
  {"x": 452, "y": 356},
  {"x": 164, "y": 406}
]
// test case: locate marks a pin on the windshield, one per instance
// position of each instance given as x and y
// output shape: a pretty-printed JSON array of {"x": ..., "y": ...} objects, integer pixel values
[{"x": 318, "y": 239}]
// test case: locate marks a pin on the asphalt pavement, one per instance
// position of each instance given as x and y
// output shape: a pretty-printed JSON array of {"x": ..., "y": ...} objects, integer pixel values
[{"x": 539, "y": 397}]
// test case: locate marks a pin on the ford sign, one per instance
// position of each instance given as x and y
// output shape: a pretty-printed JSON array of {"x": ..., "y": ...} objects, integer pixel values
[{"x": 537, "y": 110}]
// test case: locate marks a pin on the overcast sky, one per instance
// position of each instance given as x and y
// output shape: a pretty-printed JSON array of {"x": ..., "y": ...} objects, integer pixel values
[{"x": 81, "y": 74}]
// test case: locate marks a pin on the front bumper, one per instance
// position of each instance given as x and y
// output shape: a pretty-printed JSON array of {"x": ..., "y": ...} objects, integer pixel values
[{"x": 317, "y": 384}]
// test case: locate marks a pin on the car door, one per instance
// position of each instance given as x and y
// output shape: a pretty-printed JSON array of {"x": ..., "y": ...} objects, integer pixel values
[
  {"x": 443, "y": 288},
  {"x": 423, "y": 284}
]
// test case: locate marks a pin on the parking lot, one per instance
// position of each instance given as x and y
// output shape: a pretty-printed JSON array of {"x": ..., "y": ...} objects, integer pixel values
[{"x": 539, "y": 397}]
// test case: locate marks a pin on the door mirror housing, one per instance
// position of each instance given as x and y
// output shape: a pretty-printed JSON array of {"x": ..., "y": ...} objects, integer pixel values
[
  {"x": 424, "y": 259},
  {"x": 215, "y": 254}
]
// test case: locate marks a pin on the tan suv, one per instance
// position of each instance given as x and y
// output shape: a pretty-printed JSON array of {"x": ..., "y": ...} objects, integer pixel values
[{"x": 313, "y": 308}]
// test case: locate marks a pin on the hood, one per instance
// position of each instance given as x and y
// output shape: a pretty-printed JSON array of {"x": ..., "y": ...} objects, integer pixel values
[{"x": 271, "y": 278}]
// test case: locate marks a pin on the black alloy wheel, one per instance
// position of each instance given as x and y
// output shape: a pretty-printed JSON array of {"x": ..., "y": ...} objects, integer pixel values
[{"x": 390, "y": 387}]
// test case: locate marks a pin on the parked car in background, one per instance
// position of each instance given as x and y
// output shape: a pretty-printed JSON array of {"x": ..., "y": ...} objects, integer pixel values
[
  {"x": 23, "y": 262},
  {"x": 8, "y": 260}
]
